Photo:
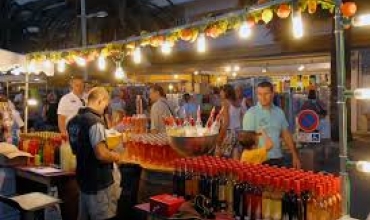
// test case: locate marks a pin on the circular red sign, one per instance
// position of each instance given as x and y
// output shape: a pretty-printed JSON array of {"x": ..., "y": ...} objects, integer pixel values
[{"x": 308, "y": 120}]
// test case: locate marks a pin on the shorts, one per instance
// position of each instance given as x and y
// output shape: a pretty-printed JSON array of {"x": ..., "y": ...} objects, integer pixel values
[{"x": 99, "y": 206}]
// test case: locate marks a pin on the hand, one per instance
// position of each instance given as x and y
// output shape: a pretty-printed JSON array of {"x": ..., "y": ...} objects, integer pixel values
[
  {"x": 296, "y": 162},
  {"x": 116, "y": 157}
]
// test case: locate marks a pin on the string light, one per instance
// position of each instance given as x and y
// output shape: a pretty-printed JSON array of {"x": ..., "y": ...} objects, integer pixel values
[
  {"x": 297, "y": 25},
  {"x": 80, "y": 61},
  {"x": 166, "y": 48},
  {"x": 47, "y": 63},
  {"x": 32, "y": 102},
  {"x": 245, "y": 30},
  {"x": 61, "y": 67},
  {"x": 119, "y": 73},
  {"x": 102, "y": 64},
  {"x": 301, "y": 68},
  {"x": 201, "y": 43},
  {"x": 32, "y": 67},
  {"x": 137, "y": 55}
]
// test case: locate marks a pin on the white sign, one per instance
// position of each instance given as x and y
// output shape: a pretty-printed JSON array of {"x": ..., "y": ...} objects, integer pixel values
[{"x": 308, "y": 137}]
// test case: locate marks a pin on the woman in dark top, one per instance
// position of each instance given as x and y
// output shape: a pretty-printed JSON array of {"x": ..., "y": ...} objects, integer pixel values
[{"x": 49, "y": 111}]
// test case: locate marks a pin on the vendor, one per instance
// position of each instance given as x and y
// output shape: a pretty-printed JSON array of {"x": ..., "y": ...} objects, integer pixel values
[
  {"x": 160, "y": 108},
  {"x": 266, "y": 116},
  {"x": 70, "y": 103},
  {"x": 98, "y": 193}
]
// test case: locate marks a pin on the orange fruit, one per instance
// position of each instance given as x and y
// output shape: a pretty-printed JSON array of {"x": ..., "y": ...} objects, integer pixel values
[
  {"x": 312, "y": 6},
  {"x": 349, "y": 9},
  {"x": 283, "y": 11}
]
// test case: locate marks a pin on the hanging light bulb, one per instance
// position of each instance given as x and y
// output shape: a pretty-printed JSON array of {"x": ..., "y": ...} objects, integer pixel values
[
  {"x": 201, "y": 43},
  {"x": 234, "y": 74},
  {"x": 137, "y": 55},
  {"x": 61, "y": 67},
  {"x": 301, "y": 68},
  {"x": 119, "y": 73},
  {"x": 47, "y": 63},
  {"x": 166, "y": 48},
  {"x": 196, "y": 72},
  {"x": 80, "y": 61},
  {"x": 228, "y": 69},
  {"x": 170, "y": 87},
  {"x": 102, "y": 64},
  {"x": 236, "y": 68},
  {"x": 297, "y": 25},
  {"x": 176, "y": 76},
  {"x": 32, "y": 66},
  {"x": 245, "y": 30}
]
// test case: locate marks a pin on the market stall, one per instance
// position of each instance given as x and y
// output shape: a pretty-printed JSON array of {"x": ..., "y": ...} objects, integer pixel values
[{"x": 214, "y": 184}]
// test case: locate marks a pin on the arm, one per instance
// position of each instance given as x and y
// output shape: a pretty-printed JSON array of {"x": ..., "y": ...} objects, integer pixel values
[
  {"x": 225, "y": 120},
  {"x": 269, "y": 144},
  {"x": 154, "y": 118},
  {"x": 288, "y": 140},
  {"x": 103, "y": 154},
  {"x": 97, "y": 140},
  {"x": 62, "y": 124}
]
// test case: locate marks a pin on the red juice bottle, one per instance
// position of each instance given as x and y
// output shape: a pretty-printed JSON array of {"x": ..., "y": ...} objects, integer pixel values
[
  {"x": 247, "y": 197},
  {"x": 257, "y": 199},
  {"x": 188, "y": 181},
  {"x": 222, "y": 203}
]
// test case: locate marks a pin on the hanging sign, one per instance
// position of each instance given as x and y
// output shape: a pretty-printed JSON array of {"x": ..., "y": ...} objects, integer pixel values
[
  {"x": 308, "y": 120},
  {"x": 294, "y": 81},
  {"x": 306, "y": 80}
]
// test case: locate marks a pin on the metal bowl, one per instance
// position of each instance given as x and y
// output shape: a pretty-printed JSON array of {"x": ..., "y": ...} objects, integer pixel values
[{"x": 193, "y": 146}]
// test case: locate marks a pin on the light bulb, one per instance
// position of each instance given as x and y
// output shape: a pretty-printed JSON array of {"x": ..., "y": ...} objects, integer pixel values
[
  {"x": 236, "y": 68},
  {"x": 362, "y": 20},
  {"x": 119, "y": 73},
  {"x": 166, "y": 48},
  {"x": 32, "y": 67},
  {"x": 245, "y": 30},
  {"x": 32, "y": 102},
  {"x": 61, "y": 67},
  {"x": 80, "y": 61},
  {"x": 102, "y": 64},
  {"x": 176, "y": 76},
  {"x": 201, "y": 43},
  {"x": 264, "y": 70},
  {"x": 47, "y": 64},
  {"x": 218, "y": 79},
  {"x": 363, "y": 166},
  {"x": 297, "y": 25},
  {"x": 234, "y": 74},
  {"x": 137, "y": 55},
  {"x": 228, "y": 69},
  {"x": 170, "y": 87},
  {"x": 301, "y": 68},
  {"x": 196, "y": 72},
  {"x": 363, "y": 93}
]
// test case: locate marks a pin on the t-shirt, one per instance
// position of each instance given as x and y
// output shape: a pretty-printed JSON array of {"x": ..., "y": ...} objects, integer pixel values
[
  {"x": 160, "y": 109},
  {"x": 255, "y": 156},
  {"x": 273, "y": 121},
  {"x": 69, "y": 105},
  {"x": 97, "y": 134}
]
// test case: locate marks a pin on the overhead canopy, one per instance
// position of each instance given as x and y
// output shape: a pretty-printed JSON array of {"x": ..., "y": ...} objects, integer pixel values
[{"x": 17, "y": 64}]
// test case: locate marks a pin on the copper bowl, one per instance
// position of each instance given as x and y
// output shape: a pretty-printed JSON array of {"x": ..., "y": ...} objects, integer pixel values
[{"x": 193, "y": 146}]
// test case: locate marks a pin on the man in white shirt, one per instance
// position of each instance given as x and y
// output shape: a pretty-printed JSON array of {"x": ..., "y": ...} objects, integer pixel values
[{"x": 70, "y": 103}]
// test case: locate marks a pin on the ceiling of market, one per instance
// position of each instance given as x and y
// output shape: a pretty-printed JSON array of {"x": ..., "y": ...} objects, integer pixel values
[{"x": 30, "y": 25}]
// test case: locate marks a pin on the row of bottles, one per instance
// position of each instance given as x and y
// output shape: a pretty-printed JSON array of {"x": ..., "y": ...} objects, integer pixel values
[{"x": 256, "y": 192}]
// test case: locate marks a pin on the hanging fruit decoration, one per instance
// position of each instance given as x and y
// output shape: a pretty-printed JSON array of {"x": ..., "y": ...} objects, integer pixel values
[
  {"x": 216, "y": 29},
  {"x": 312, "y": 6},
  {"x": 251, "y": 22},
  {"x": 283, "y": 11},
  {"x": 261, "y": 2},
  {"x": 349, "y": 9},
  {"x": 186, "y": 34},
  {"x": 267, "y": 15},
  {"x": 156, "y": 41}
]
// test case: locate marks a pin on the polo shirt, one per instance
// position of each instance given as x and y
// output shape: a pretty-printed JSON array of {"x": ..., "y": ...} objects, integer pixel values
[
  {"x": 69, "y": 105},
  {"x": 273, "y": 121}
]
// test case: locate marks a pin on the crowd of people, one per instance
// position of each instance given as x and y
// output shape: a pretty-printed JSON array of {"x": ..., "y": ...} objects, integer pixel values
[{"x": 248, "y": 132}]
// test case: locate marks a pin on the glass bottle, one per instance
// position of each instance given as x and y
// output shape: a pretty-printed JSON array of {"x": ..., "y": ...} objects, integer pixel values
[
  {"x": 257, "y": 199},
  {"x": 222, "y": 205},
  {"x": 176, "y": 179},
  {"x": 188, "y": 181},
  {"x": 266, "y": 198},
  {"x": 247, "y": 197},
  {"x": 239, "y": 190},
  {"x": 230, "y": 182},
  {"x": 276, "y": 199}
]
